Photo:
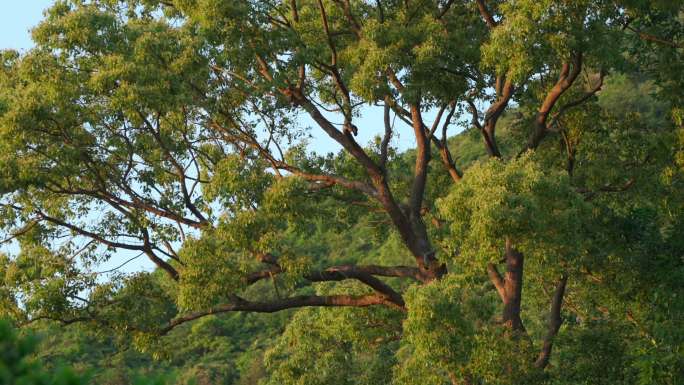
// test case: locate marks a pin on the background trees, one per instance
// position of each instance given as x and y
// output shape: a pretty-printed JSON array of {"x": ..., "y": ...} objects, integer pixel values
[{"x": 175, "y": 131}]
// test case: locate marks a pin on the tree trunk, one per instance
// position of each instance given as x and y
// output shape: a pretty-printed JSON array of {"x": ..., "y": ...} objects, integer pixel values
[{"x": 513, "y": 281}]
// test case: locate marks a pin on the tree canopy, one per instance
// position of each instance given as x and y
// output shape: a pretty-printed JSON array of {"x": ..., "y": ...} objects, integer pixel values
[{"x": 531, "y": 234}]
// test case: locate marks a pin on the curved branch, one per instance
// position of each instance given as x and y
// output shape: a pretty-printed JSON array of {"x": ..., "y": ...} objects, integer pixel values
[
  {"x": 382, "y": 271},
  {"x": 579, "y": 101},
  {"x": 24, "y": 229},
  {"x": 363, "y": 273},
  {"x": 566, "y": 78},
  {"x": 350, "y": 272},
  {"x": 591, "y": 194},
  {"x": 486, "y": 14},
  {"x": 504, "y": 92},
  {"x": 282, "y": 304},
  {"x": 443, "y": 147},
  {"x": 384, "y": 195}
]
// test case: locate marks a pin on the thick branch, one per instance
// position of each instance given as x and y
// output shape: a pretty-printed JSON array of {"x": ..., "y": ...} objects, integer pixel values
[
  {"x": 448, "y": 161},
  {"x": 346, "y": 6},
  {"x": 351, "y": 272},
  {"x": 345, "y": 140},
  {"x": 349, "y": 184},
  {"x": 475, "y": 120},
  {"x": 442, "y": 145},
  {"x": 555, "y": 322},
  {"x": 513, "y": 281},
  {"x": 504, "y": 91},
  {"x": 422, "y": 160},
  {"x": 390, "y": 271},
  {"x": 567, "y": 77},
  {"x": 486, "y": 15},
  {"x": 415, "y": 243},
  {"x": 497, "y": 280},
  {"x": 384, "y": 145},
  {"x": 564, "y": 108},
  {"x": 282, "y": 304},
  {"x": 362, "y": 273},
  {"x": 162, "y": 264}
]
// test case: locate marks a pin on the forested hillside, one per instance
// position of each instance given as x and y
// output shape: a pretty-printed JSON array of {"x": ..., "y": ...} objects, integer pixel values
[{"x": 533, "y": 232}]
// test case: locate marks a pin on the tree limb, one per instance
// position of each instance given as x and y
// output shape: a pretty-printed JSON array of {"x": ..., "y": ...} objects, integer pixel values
[
  {"x": 579, "y": 101},
  {"x": 384, "y": 145},
  {"x": 363, "y": 273},
  {"x": 496, "y": 279},
  {"x": 486, "y": 15},
  {"x": 567, "y": 77},
  {"x": 350, "y": 272},
  {"x": 282, "y": 304},
  {"x": 555, "y": 322},
  {"x": 653, "y": 38}
]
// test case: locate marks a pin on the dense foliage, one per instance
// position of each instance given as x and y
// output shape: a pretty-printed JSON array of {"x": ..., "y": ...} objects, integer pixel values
[{"x": 542, "y": 244}]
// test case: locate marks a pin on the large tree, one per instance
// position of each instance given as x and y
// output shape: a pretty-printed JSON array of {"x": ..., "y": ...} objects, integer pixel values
[{"x": 176, "y": 130}]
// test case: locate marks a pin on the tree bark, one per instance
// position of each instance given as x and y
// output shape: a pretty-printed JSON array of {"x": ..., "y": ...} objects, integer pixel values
[
  {"x": 281, "y": 304},
  {"x": 567, "y": 77},
  {"x": 513, "y": 281},
  {"x": 497, "y": 280},
  {"x": 555, "y": 322}
]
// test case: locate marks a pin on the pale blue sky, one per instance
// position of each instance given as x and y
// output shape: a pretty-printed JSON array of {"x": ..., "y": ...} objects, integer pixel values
[{"x": 16, "y": 18}]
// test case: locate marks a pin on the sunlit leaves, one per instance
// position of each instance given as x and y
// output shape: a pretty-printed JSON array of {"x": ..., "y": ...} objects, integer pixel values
[
  {"x": 440, "y": 331},
  {"x": 43, "y": 284},
  {"x": 536, "y": 35},
  {"x": 537, "y": 210},
  {"x": 172, "y": 129},
  {"x": 238, "y": 183},
  {"x": 352, "y": 341},
  {"x": 211, "y": 272}
]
